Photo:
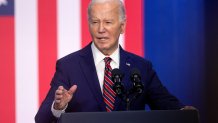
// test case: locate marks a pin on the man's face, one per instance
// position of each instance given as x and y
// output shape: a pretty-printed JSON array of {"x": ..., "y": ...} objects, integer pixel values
[{"x": 105, "y": 26}]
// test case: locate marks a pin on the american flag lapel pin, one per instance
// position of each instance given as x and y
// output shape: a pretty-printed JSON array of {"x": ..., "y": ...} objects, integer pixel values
[{"x": 128, "y": 64}]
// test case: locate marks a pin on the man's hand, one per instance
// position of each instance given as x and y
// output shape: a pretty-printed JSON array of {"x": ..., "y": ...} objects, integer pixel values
[
  {"x": 188, "y": 108},
  {"x": 63, "y": 97}
]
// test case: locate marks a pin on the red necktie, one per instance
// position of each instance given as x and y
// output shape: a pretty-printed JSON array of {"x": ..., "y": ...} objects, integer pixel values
[{"x": 108, "y": 92}]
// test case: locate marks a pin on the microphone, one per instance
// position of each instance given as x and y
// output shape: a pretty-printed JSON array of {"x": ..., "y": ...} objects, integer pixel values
[
  {"x": 117, "y": 76},
  {"x": 135, "y": 77}
]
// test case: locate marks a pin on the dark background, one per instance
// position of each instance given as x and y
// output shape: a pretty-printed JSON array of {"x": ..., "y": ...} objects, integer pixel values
[
  {"x": 211, "y": 58},
  {"x": 181, "y": 40}
]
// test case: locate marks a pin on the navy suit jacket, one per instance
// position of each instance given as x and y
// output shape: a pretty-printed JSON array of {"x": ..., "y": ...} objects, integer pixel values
[{"x": 79, "y": 69}]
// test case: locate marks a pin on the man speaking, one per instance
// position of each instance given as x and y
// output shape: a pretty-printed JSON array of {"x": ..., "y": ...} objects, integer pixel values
[{"x": 83, "y": 79}]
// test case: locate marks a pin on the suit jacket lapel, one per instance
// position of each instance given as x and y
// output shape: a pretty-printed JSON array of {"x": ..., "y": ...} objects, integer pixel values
[{"x": 89, "y": 70}]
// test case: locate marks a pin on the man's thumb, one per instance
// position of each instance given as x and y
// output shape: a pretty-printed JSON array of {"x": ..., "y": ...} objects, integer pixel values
[{"x": 72, "y": 90}]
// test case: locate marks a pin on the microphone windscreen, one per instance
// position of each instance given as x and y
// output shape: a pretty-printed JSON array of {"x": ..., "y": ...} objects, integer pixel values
[
  {"x": 115, "y": 72},
  {"x": 135, "y": 71}
]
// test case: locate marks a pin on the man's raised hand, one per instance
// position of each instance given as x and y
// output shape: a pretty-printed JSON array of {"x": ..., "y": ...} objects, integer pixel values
[{"x": 63, "y": 97}]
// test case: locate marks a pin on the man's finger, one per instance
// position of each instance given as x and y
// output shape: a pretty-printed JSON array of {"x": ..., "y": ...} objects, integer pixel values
[
  {"x": 58, "y": 97},
  {"x": 72, "y": 90},
  {"x": 57, "y": 101},
  {"x": 59, "y": 92},
  {"x": 60, "y": 87}
]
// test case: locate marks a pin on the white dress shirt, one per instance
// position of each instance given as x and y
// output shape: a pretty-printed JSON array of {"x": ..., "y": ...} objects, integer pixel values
[{"x": 100, "y": 66}]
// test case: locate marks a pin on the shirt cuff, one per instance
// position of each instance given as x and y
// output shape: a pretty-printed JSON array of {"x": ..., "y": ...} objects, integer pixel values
[{"x": 57, "y": 113}]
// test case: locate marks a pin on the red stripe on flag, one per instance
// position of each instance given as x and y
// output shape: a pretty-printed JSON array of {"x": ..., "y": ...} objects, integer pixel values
[
  {"x": 7, "y": 71},
  {"x": 86, "y": 38},
  {"x": 134, "y": 27},
  {"x": 47, "y": 10}
]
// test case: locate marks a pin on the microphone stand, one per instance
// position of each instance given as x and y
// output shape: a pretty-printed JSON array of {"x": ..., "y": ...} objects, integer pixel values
[
  {"x": 128, "y": 104},
  {"x": 126, "y": 98}
]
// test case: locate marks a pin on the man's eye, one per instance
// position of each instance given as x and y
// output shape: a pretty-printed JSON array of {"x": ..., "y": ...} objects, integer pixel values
[
  {"x": 94, "y": 22},
  {"x": 108, "y": 22}
]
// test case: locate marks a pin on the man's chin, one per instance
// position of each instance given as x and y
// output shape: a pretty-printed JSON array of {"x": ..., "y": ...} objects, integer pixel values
[
  {"x": 105, "y": 50},
  {"x": 103, "y": 47}
]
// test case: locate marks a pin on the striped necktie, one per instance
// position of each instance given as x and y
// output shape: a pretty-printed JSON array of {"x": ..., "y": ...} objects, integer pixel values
[{"x": 108, "y": 93}]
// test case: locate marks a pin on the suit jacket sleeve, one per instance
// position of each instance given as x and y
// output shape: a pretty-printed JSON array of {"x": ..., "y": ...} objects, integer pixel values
[{"x": 44, "y": 115}]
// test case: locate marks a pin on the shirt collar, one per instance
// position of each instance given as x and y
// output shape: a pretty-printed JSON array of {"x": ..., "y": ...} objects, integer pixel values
[{"x": 98, "y": 56}]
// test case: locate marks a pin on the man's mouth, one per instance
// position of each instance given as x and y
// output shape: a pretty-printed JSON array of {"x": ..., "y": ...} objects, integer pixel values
[{"x": 102, "y": 38}]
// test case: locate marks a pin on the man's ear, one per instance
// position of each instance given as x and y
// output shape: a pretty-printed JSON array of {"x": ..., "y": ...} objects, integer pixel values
[{"x": 123, "y": 27}]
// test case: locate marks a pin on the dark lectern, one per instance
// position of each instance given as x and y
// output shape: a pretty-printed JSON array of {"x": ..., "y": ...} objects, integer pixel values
[{"x": 175, "y": 116}]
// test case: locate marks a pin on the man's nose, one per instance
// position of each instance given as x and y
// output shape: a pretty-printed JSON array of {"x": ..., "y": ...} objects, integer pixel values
[{"x": 101, "y": 28}]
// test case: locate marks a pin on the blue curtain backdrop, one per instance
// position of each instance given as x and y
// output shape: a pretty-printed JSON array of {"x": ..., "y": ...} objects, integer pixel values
[{"x": 181, "y": 41}]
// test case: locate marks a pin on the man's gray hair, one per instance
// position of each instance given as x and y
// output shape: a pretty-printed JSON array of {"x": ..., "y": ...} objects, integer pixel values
[{"x": 122, "y": 10}]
